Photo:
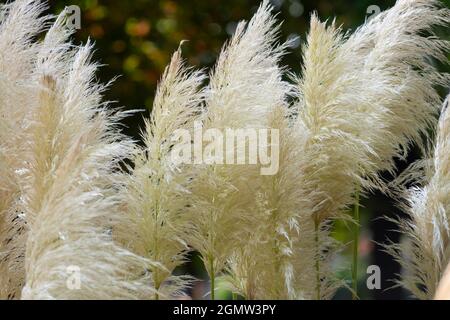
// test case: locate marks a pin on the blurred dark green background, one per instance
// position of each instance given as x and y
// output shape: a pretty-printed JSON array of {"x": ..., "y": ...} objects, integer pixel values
[{"x": 135, "y": 39}]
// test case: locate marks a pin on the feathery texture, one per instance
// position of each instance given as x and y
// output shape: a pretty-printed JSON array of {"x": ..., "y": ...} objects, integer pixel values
[
  {"x": 244, "y": 86},
  {"x": 155, "y": 196},
  {"x": 364, "y": 98},
  {"x": 59, "y": 202},
  {"x": 70, "y": 199},
  {"x": 19, "y": 23},
  {"x": 65, "y": 206},
  {"x": 427, "y": 253},
  {"x": 267, "y": 266}
]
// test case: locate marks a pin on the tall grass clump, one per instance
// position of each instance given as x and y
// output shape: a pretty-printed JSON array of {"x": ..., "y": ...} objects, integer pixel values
[
  {"x": 79, "y": 199},
  {"x": 267, "y": 266},
  {"x": 19, "y": 22},
  {"x": 156, "y": 195},
  {"x": 244, "y": 87},
  {"x": 65, "y": 205},
  {"x": 363, "y": 100},
  {"x": 425, "y": 254}
]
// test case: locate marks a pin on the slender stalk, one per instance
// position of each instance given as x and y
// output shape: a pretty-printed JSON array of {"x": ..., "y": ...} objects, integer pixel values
[
  {"x": 234, "y": 296},
  {"x": 155, "y": 241},
  {"x": 356, "y": 230},
  {"x": 212, "y": 277},
  {"x": 317, "y": 226}
]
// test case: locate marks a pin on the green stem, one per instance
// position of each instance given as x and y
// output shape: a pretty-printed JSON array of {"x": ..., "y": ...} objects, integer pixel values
[
  {"x": 234, "y": 296},
  {"x": 356, "y": 218},
  {"x": 212, "y": 277},
  {"x": 317, "y": 226}
]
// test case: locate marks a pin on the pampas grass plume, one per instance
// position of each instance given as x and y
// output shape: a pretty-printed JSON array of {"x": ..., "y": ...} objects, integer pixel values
[
  {"x": 427, "y": 254},
  {"x": 155, "y": 196}
]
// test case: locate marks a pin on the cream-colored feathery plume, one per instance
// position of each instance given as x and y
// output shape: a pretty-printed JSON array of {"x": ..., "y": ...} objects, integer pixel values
[
  {"x": 427, "y": 253},
  {"x": 246, "y": 79},
  {"x": 244, "y": 86},
  {"x": 399, "y": 45},
  {"x": 363, "y": 99},
  {"x": 20, "y": 21},
  {"x": 70, "y": 190},
  {"x": 156, "y": 197},
  {"x": 267, "y": 266},
  {"x": 329, "y": 121}
]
